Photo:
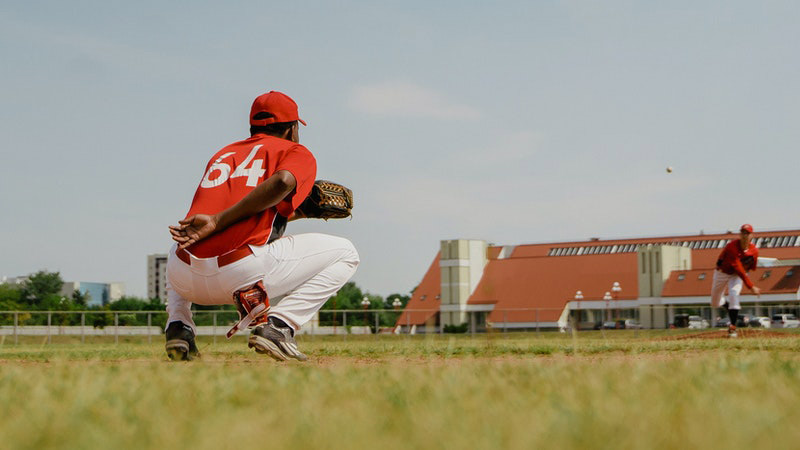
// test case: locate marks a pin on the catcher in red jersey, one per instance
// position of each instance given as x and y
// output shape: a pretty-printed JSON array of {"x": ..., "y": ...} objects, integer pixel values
[
  {"x": 736, "y": 259},
  {"x": 230, "y": 247}
]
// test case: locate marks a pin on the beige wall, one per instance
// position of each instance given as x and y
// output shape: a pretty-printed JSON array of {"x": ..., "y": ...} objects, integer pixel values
[
  {"x": 654, "y": 264},
  {"x": 461, "y": 263}
]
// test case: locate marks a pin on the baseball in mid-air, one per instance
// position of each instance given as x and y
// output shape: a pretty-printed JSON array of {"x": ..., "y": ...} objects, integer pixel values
[{"x": 669, "y": 169}]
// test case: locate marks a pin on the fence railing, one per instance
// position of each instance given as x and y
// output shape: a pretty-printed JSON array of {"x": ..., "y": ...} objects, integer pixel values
[{"x": 216, "y": 323}]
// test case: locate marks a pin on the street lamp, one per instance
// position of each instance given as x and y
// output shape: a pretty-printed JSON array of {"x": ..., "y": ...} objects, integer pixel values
[
  {"x": 578, "y": 298},
  {"x": 396, "y": 304},
  {"x": 616, "y": 288},
  {"x": 607, "y": 298},
  {"x": 365, "y": 307}
]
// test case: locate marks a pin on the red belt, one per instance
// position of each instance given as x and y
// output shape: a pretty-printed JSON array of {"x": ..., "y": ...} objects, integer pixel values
[{"x": 222, "y": 260}]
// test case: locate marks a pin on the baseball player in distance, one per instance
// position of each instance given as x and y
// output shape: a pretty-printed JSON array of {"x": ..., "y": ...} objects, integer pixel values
[
  {"x": 737, "y": 258},
  {"x": 229, "y": 248}
]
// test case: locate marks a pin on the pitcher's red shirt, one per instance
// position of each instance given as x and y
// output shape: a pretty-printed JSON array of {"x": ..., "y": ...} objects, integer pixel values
[
  {"x": 734, "y": 260},
  {"x": 236, "y": 170}
]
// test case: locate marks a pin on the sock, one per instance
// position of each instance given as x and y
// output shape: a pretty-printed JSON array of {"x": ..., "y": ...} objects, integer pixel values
[{"x": 733, "y": 314}]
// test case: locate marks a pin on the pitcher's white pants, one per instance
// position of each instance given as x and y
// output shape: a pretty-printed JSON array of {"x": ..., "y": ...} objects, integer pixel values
[
  {"x": 734, "y": 284},
  {"x": 299, "y": 272}
]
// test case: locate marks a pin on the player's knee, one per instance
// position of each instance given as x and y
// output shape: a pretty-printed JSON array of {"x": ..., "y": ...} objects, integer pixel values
[{"x": 351, "y": 253}]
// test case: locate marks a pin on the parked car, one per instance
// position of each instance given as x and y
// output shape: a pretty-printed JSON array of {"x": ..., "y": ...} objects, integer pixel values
[
  {"x": 722, "y": 322},
  {"x": 629, "y": 324},
  {"x": 745, "y": 320},
  {"x": 681, "y": 321},
  {"x": 785, "y": 321},
  {"x": 610, "y": 325},
  {"x": 761, "y": 321},
  {"x": 697, "y": 323}
]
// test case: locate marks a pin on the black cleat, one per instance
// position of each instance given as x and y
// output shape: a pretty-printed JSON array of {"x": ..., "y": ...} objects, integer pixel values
[
  {"x": 180, "y": 342},
  {"x": 276, "y": 341}
]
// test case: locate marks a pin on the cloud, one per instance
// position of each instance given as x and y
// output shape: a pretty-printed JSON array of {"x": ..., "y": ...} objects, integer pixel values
[{"x": 402, "y": 99}]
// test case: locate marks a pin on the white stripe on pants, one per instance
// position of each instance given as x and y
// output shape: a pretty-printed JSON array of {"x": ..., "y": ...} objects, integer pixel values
[
  {"x": 734, "y": 285},
  {"x": 300, "y": 273}
]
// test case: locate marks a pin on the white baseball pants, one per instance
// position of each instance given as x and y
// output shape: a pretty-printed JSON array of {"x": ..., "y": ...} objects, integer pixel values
[
  {"x": 299, "y": 272},
  {"x": 734, "y": 285}
]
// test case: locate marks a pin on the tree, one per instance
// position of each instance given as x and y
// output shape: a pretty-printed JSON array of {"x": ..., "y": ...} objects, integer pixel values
[
  {"x": 80, "y": 299},
  {"x": 10, "y": 296},
  {"x": 39, "y": 285}
]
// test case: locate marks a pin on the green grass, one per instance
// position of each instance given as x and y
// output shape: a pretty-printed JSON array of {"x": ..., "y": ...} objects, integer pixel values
[{"x": 601, "y": 390}]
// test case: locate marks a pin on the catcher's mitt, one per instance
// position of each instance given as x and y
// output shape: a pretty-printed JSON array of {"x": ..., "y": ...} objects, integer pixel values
[{"x": 327, "y": 200}]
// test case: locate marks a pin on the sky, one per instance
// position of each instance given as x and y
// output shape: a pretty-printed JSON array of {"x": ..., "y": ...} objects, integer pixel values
[{"x": 512, "y": 122}]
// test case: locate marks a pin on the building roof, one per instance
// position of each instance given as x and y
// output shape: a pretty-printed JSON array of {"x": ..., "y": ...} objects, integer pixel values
[
  {"x": 424, "y": 302},
  {"x": 546, "y": 275},
  {"x": 771, "y": 280}
]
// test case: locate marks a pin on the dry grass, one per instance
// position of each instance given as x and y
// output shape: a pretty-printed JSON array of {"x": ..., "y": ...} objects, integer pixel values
[{"x": 617, "y": 390}]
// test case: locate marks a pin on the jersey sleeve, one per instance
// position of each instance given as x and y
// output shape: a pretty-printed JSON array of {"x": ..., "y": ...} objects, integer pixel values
[
  {"x": 741, "y": 272},
  {"x": 301, "y": 163}
]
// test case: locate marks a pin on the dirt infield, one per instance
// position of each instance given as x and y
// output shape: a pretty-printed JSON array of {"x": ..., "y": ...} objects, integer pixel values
[{"x": 743, "y": 333}]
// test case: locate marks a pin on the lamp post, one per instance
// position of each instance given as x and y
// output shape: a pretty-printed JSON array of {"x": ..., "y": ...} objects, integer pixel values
[
  {"x": 607, "y": 298},
  {"x": 616, "y": 288},
  {"x": 365, "y": 307},
  {"x": 396, "y": 304},
  {"x": 578, "y": 298}
]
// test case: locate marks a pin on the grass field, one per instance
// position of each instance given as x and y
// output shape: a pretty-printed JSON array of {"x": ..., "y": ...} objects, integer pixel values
[{"x": 615, "y": 389}]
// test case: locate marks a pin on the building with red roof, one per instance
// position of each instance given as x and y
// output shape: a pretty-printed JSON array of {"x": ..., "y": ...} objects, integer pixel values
[{"x": 535, "y": 286}]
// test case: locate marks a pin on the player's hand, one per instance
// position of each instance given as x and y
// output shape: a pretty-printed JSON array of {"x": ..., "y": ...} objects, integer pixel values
[
  {"x": 757, "y": 291},
  {"x": 193, "y": 229}
]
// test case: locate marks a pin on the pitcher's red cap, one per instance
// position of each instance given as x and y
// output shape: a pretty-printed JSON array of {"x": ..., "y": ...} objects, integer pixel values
[
  {"x": 746, "y": 227},
  {"x": 279, "y": 106}
]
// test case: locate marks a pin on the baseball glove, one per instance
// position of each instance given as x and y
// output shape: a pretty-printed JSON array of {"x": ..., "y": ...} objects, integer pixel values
[{"x": 327, "y": 200}]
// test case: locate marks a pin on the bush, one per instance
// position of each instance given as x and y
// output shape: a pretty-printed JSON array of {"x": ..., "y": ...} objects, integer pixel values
[{"x": 456, "y": 328}]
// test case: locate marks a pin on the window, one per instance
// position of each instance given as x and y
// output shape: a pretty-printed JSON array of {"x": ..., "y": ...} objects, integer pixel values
[
  {"x": 580, "y": 251},
  {"x": 789, "y": 273},
  {"x": 791, "y": 241},
  {"x": 766, "y": 275},
  {"x": 721, "y": 243},
  {"x": 681, "y": 277},
  {"x": 702, "y": 276}
]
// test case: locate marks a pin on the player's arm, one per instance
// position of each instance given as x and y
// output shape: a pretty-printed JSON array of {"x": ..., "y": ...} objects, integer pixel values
[
  {"x": 742, "y": 273},
  {"x": 266, "y": 195}
]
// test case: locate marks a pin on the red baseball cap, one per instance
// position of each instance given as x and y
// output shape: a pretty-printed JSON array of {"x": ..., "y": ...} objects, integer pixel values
[
  {"x": 279, "y": 106},
  {"x": 746, "y": 227}
]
